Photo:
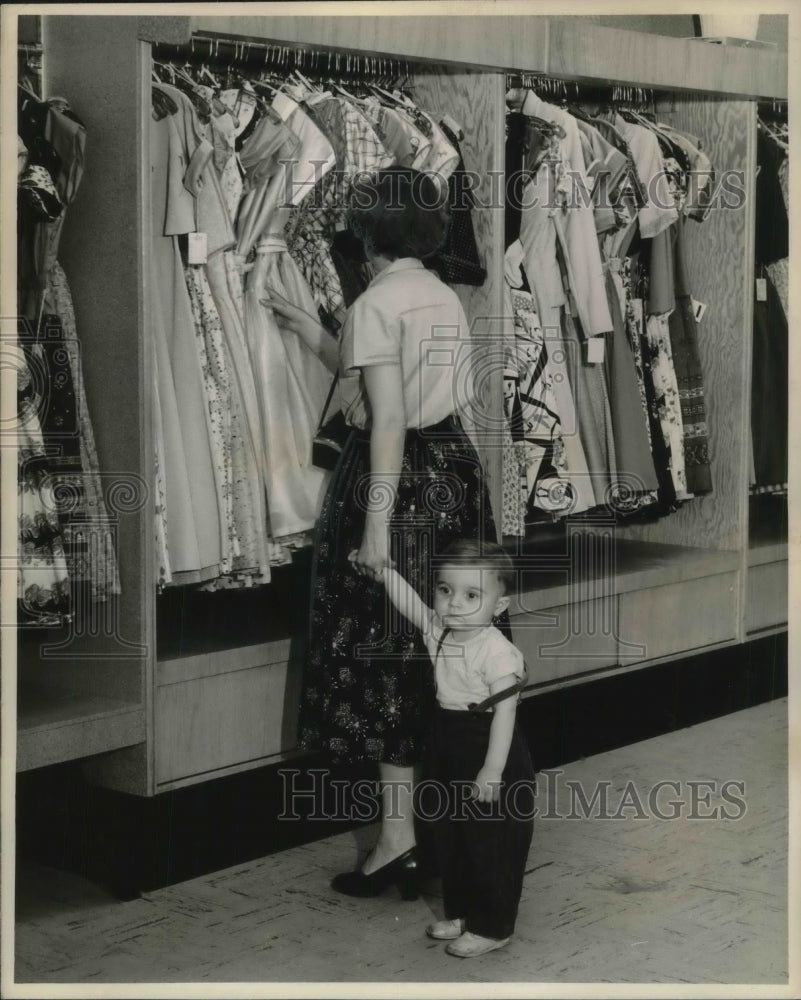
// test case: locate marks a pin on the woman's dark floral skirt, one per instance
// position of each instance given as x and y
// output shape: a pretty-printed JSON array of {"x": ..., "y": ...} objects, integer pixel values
[{"x": 368, "y": 687}]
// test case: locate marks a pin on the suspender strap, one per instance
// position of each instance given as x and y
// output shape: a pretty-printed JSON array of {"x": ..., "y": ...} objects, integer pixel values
[
  {"x": 493, "y": 699},
  {"x": 482, "y": 706},
  {"x": 445, "y": 633}
]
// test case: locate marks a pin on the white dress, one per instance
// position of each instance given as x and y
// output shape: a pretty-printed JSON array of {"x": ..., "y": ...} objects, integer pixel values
[{"x": 291, "y": 382}]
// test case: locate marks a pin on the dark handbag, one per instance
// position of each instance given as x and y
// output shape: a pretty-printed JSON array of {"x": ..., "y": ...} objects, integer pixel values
[{"x": 331, "y": 435}]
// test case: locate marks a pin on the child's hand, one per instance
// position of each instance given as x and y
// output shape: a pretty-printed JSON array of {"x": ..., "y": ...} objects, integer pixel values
[{"x": 488, "y": 782}]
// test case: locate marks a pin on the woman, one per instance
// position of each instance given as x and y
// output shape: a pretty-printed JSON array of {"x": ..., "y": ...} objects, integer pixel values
[{"x": 408, "y": 482}]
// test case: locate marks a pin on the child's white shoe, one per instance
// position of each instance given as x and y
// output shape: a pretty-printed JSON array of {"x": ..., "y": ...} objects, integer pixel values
[
  {"x": 472, "y": 945},
  {"x": 445, "y": 930}
]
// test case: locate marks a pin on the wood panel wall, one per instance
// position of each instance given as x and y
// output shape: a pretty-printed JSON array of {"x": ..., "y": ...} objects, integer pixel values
[
  {"x": 568, "y": 46},
  {"x": 578, "y": 48},
  {"x": 721, "y": 268},
  {"x": 99, "y": 251},
  {"x": 488, "y": 42},
  {"x": 95, "y": 63}
]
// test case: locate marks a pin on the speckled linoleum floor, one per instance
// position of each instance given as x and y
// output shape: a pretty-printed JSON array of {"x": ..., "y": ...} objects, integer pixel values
[{"x": 631, "y": 898}]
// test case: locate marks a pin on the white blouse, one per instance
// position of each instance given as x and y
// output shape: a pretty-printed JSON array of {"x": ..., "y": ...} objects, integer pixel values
[{"x": 408, "y": 317}]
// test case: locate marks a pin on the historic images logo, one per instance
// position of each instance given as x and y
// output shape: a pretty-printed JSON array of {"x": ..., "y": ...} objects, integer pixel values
[{"x": 316, "y": 795}]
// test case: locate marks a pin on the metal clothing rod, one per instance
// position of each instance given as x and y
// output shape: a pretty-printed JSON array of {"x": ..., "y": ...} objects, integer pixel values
[
  {"x": 254, "y": 55},
  {"x": 776, "y": 109},
  {"x": 29, "y": 67},
  {"x": 558, "y": 89}
]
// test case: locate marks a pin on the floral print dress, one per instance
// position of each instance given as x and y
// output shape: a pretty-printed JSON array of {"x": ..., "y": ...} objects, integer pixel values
[{"x": 43, "y": 587}]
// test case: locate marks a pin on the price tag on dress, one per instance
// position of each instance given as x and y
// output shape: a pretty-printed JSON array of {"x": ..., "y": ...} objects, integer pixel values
[
  {"x": 595, "y": 350},
  {"x": 197, "y": 248}
]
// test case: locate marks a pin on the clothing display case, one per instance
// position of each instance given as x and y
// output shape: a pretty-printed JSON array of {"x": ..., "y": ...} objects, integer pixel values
[{"x": 155, "y": 696}]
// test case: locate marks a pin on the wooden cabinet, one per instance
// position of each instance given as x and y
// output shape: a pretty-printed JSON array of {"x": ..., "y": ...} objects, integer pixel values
[
  {"x": 146, "y": 724},
  {"x": 218, "y": 711},
  {"x": 766, "y": 605},
  {"x": 568, "y": 640},
  {"x": 661, "y": 601},
  {"x": 681, "y": 618}
]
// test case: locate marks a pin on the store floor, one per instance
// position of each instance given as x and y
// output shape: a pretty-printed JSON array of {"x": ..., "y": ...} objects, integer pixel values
[{"x": 631, "y": 898}]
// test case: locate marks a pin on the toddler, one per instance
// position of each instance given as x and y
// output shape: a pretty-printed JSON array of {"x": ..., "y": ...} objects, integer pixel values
[{"x": 482, "y": 842}]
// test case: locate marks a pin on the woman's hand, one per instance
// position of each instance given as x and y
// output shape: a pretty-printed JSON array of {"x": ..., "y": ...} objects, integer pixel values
[
  {"x": 292, "y": 317},
  {"x": 307, "y": 326},
  {"x": 372, "y": 557}
]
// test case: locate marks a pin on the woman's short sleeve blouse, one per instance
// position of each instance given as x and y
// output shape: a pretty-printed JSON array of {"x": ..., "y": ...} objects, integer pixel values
[
  {"x": 372, "y": 334},
  {"x": 408, "y": 317}
]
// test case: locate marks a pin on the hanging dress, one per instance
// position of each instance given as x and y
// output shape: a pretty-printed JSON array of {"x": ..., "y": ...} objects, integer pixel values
[
  {"x": 586, "y": 314},
  {"x": 689, "y": 374},
  {"x": 639, "y": 480},
  {"x": 656, "y": 217},
  {"x": 313, "y": 224},
  {"x": 214, "y": 222},
  {"x": 43, "y": 584},
  {"x": 228, "y": 381},
  {"x": 291, "y": 382},
  {"x": 538, "y": 241},
  {"x": 635, "y": 480},
  {"x": 457, "y": 262},
  {"x": 185, "y": 455},
  {"x": 64, "y": 429},
  {"x": 514, "y": 483},
  {"x": 389, "y": 128},
  {"x": 251, "y": 563},
  {"x": 541, "y": 447}
]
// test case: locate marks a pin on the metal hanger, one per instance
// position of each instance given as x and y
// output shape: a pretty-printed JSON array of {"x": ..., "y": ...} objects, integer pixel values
[
  {"x": 387, "y": 95},
  {"x": 307, "y": 83},
  {"x": 167, "y": 68}
]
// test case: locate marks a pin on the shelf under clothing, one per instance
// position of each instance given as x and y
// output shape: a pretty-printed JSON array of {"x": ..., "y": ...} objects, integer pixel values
[
  {"x": 58, "y": 725},
  {"x": 624, "y": 566}
]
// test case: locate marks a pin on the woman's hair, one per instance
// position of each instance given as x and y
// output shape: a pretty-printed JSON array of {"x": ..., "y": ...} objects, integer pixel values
[
  {"x": 485, "y": 555},
  {"x": 399, "y": 212}
]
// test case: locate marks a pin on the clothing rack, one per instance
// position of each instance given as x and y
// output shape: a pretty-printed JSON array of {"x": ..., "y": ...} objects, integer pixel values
[
  {"x": 772, "y": 121},
  {"x": 774, "y": 110},
  {"x": 29, "y": 67},
  {"x": 678, "y": 585},
  {"x": 271, "y": 57},
  {"x": 776, "y": 131},
  {"x": 553, "y": 88}
]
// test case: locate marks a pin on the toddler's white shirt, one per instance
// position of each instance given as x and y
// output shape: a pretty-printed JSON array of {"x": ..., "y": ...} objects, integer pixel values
[{"x": 465, "y": 668}]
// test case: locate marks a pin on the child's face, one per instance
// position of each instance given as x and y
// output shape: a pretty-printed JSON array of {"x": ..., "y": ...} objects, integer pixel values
[{"x": 467, "y": 597}]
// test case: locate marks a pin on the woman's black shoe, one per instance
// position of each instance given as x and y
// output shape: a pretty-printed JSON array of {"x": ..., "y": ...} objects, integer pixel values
[{"x": 401, "y": 871}]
